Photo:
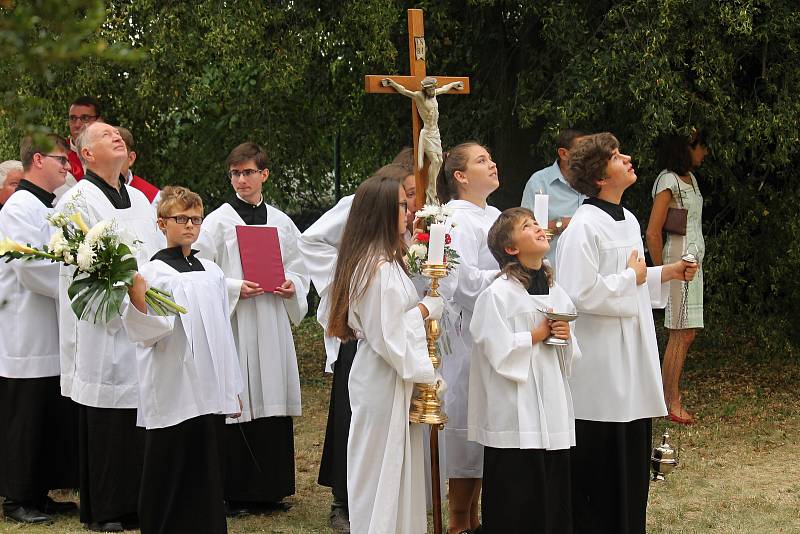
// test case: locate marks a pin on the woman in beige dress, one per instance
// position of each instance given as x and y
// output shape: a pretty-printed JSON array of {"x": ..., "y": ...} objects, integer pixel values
[{"x": 676, "y": 187}]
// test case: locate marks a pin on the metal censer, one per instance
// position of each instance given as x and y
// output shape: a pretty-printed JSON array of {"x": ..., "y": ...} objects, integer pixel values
[
  {"x": 663, "y": 459},
  {"x": 426, "y": 407}
]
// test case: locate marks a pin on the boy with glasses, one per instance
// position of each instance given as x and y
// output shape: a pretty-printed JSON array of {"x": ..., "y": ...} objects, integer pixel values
[
  {"x": 189, "y": 378},
  {"x": 260, "y": 444}
]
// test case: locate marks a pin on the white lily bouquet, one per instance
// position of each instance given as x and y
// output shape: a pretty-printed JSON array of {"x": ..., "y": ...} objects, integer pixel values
[
  {"x": 104, "y": 266},
  {"x": 417, "y": 253}
]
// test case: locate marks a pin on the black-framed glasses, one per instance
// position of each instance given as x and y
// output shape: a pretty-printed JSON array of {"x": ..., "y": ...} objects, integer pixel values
[
  {"x": 183, "y": 219},
  {"x": 85, "y": 119},
  {"x": 403, "y": 205},
  {"x": 247, "y": 173},
  {"x": 63, "y": 160}
]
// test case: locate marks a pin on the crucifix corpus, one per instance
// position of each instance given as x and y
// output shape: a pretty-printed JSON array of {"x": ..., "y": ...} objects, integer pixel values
[{"x": 422, "y": 90}]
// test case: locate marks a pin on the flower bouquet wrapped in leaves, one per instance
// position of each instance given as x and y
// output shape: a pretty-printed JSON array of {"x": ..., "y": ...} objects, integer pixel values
[
  {"x": 104, "y": 266},
  {"x": 417, "y": 253}
]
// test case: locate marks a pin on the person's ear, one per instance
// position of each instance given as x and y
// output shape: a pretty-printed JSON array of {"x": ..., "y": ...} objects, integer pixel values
[
  {"x": 563, "y": 154},
  {"x": 162, "y": 224},
  {"x": 460, "y": 177},
  {"x": 86, "y": 154},
  {"x": 131, "y": 158},
  {"x": 511, "y": 251},
  {"x": 264, "y": 175}
]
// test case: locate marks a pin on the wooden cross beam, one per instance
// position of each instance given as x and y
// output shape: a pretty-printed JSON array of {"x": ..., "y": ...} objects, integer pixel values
[{"x": 416, "y": 55}]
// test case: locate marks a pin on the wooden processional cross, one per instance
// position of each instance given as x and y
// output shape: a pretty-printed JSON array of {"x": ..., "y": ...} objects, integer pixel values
[{"x": 416, "y": 58}]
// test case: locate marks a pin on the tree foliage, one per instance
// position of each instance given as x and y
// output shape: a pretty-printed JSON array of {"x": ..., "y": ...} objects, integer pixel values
[{"x": 193, "y": 79}]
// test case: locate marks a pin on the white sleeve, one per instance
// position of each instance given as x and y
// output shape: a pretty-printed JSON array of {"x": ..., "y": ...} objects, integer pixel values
[
  {"x": 38, "y": 276},
  {"x": 146, "y": 329},
  {"x": 508, "y": 352},
  {"x": 319, "y": 244},
  {"x": 659, "y": 292},
  {"x": 578, "y": 266},
  {"x": 395, "y": 333},
  {"x": 295, "y": 270},
  {"x": 469, "y": 280}
]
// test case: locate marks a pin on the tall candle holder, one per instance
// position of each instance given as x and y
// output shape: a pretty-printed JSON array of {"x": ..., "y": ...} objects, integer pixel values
[{"x": 426, "y": 407}]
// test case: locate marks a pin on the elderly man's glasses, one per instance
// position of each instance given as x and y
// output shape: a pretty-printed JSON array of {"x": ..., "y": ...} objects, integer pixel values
[
  {"x": 183, "y": 219},
  {"x": 247, "y": 173},
  {"x": 85, "y": 119},
  {"x": 63, "y": 160}
]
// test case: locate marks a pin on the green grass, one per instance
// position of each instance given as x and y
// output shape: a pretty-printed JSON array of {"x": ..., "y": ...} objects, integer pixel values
[{"x": 738, "y": 470}]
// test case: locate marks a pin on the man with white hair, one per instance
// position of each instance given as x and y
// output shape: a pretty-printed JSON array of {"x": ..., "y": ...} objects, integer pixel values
[
  {"x": 38, "y": 445},
  {"x": 98, "y": 361},
  {"x": 10, "y": 175}
]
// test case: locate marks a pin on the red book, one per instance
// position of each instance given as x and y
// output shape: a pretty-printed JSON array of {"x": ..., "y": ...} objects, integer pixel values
[{"x": 260, "y": 252}]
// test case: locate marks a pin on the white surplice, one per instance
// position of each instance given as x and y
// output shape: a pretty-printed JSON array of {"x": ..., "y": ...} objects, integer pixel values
[
  {"x": 476, "y": 270},
  {"x": 29, "y": 291},
  {"x": 319, "y": 246},
  {"x": 519, "y": 396},
  {"x": 98, "y": 361},
  {"x": 385, "y": 473},
  {"x": 618, "y": 379},
  {"x": 261, "y": 324},
  {"x": 187, "y": 364}
]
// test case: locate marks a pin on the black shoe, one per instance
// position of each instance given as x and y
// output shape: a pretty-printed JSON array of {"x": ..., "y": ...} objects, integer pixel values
[
  {"x": 236, "y": 509},
  {"x": 108, "y": 526},
  {"x": 340, "y": 520},
  {"x": 49, "y": 506},
  {"x": 29, "y": 515}
]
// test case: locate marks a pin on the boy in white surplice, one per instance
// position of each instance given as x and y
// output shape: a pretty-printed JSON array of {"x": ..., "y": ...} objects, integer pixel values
[
  {"x": 616, "y": 386},
  {"x": 260, "y": 444},
  {"x": 189, "y": 378}
]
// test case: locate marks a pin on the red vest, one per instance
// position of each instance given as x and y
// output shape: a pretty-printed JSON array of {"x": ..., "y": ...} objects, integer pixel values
[
  {"x": 75, "y": 163},
  {"x": 149, "y": 190}
]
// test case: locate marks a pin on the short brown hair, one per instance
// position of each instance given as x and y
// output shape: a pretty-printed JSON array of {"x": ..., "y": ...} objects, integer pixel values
[
  {"x": 126, "y": 136},
  {"x": 501, "y": 237},
  {"x": 588, "y": 161},
  {"x": 566, "y": 138},
  {"x": 28, "y": 147},
  {"x": 245, "y": 152},
  {"x": 176, "y": 197},
  {"x": 405, "y": 158}
]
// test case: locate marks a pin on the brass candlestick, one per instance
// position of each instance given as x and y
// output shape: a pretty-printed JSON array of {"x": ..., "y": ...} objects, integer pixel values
[{"x": 426, "y": 407}]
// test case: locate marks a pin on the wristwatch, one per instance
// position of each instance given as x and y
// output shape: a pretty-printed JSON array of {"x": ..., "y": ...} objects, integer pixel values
[{"x": 559, "y": 225}]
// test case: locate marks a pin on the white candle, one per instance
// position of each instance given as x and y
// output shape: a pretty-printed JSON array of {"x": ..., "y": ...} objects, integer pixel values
[
  {"x": 436, "y": 245},
  {"x": 540, "y": 209}
]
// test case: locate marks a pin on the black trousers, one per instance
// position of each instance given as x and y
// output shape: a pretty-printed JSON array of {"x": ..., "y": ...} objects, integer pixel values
[
  {"x": 333, "y": 466},
  {"x": 611, "y": 476},
  {"x": 38, "y": 439},
  {"x": 526, "y": 491},
  {"x": 111, "y": 449},
  {"x": 259, "y": 465},
  {"x": 182, "y": 482}
]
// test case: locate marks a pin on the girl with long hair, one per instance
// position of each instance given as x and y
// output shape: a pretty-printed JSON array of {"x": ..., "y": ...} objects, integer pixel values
[
  {"x": 467, "y": 177},
  {"x": 520, "y": 405},
  {"x": 373, "y": 300}
]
